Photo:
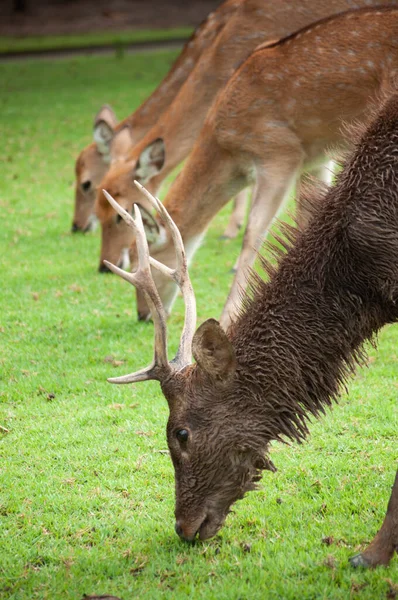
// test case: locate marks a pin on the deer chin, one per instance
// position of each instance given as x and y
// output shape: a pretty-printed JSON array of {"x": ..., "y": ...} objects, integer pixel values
[
  {"x": 204, "y": 528},
  {"x": 92, "y": 224},
  {"x": 124, "y": 261},
  {"x": 211, "y": 526}
]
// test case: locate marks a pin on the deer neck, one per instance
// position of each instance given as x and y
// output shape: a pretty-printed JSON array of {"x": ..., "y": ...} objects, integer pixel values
[{"x": 193, "y": 199}]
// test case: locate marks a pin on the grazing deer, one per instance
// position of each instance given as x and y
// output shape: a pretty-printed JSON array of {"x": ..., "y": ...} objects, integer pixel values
[
  {"x": 170, "y": 140},
  {"x": 296, "y": 340},
  {"x": 278, "y": 115},
  {"x": 112, "y": 141}
]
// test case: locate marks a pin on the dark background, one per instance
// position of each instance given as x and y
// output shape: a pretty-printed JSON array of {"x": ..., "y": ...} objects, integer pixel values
[{"x": 43, "y": 17}]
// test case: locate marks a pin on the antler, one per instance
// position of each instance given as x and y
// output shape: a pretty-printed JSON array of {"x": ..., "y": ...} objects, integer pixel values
[{"x": 142, "y": 279}]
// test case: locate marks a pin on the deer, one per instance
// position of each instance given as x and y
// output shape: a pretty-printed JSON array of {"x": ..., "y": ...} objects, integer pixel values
[
  {"x": 278, "y": 116},
  {"x": 113, "y": 140},
  {"x": 174, "y": 134},
  {"x": 299, "y": 335}
]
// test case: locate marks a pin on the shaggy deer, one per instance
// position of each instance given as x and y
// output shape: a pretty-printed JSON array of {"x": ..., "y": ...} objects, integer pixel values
[
  {"x": 112, "y": 142},
  {"x": 174, "y": 134},
  {"x": 296, "y": 340},
  {"x": 278, "y": 115}
]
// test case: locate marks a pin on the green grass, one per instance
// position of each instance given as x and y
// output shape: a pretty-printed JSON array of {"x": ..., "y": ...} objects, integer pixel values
[
  {"x": 86, "y": 489},
  {"x": 87, "y": 40}
]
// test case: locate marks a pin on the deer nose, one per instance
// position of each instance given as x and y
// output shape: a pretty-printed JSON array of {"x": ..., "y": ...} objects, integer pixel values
[
  {"x": 178, "y": 529},
  {"x": 75, "y": 228},
  {"x": 143, "y": 315},
  {"x": 188, "y": 537},
  {"x": 103, "y": 268}
]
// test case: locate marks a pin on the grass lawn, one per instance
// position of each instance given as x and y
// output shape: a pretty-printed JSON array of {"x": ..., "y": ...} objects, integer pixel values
[{"x": 86, "y": 485}]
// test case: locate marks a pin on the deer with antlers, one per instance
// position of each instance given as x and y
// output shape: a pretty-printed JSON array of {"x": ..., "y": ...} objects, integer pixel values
[
  {"x": 173, "y": 135},
  {"x": 278, "y": 115},
  {"x": 113, "y": 140},
  {"x": 286, "y": 356}
]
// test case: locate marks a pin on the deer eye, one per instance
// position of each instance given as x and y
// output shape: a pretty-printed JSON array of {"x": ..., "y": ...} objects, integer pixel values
[
  {"x": 182, "y": 435},
  {"x": 86, "y": 185},
  {"x": 118, "y": 218}
]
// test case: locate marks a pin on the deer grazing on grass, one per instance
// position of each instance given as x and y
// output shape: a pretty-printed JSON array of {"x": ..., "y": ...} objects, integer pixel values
[
  {"x": 297, "y": 338},
  {"x": 170, "y": 140},
  {"x": 112, "y": 141},
  {"x": 278, "y": 115}
]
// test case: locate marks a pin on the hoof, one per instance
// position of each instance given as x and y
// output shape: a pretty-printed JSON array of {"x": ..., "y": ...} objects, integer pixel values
[{"x": 359, "y": 561}]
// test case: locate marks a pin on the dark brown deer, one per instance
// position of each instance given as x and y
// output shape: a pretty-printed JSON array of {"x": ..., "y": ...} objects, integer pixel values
[{"x": 298, "y": 337}]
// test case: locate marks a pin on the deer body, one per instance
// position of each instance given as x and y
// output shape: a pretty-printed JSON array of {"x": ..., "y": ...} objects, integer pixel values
[
  {"x": 113, "y": 140},
  {"x": 179, "y": 126},
  {"x": 297, "y": 338},
  {"x": 279, "y": 114}
]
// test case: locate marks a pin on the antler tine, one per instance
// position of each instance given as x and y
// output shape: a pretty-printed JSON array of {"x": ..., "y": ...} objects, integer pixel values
[
  {"x": 181, "y": 276},
  {"x": 169, "y": 223},
  {"x": 142, "y": 279}
]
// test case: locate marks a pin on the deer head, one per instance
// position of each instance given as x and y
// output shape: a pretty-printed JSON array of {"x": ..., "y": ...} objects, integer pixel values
[
  {"x": 110, "y": 145},
  {"x": 117, "y": 237},
  {"x": 217, "y": 455}
]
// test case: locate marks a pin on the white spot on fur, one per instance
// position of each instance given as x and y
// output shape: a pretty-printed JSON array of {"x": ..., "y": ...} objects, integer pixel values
[
  {"x": 92, "y": 222},
  {"x": 125, "y": 260}
]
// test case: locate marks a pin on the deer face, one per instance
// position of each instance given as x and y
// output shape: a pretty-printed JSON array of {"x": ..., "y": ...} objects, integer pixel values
[
  {"x": 93, "y": 163},
  {"x": 216, "y": 459},
  {"x": 117, "y": 237},
  {"x": 90, "y": 169}
]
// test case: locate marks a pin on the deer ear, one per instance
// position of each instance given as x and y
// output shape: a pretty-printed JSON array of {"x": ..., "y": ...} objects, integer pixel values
[
  {"x": 106, "y": 114},
  {"x": 151, "y": 160},
  {"x": 151, "y": 226},
  {"x": 103, "y": 136},
  {"x": 213, "y": 351},
  {"x": 120, "y": 143}
]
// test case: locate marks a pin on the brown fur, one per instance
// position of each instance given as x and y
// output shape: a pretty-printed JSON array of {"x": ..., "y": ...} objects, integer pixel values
[
  {"x": 90, "y": 164},
  {"x": 298, "y": 337}
]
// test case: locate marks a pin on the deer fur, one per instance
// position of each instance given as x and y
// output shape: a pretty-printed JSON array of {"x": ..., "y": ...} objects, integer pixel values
[
  {"x": 278, "y": 115},
  {"x": 112, "y": 141},
  {"x": 179, "y": 126},
  {"x": 300, "y": 334}
]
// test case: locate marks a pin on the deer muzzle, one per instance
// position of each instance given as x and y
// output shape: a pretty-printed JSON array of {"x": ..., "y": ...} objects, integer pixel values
[{"x": 204, "y": 527}]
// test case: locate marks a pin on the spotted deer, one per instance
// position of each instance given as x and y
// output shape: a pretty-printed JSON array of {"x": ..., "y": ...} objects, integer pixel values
[
  {"x": 171, "y": 139},
  {"x": 297, "y": 338},
  {"x": 112, "y": 141},
  {"x": 278, "y": 116}
]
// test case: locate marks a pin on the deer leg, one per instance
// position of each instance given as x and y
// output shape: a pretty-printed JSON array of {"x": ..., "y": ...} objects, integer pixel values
[
  {"x": 237, "y": 217},
  {"x": 382, "y": 547},
  {"x": 323, "y": 173},
  {"x": 273, "y": 183}
]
